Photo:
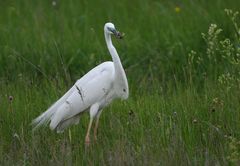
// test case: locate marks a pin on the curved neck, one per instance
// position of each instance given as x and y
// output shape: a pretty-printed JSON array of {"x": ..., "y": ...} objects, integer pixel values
[{"x": 114, "y": 54}]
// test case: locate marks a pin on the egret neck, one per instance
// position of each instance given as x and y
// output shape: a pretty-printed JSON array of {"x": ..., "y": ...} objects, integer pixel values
[{"x": 119, "y": 71}]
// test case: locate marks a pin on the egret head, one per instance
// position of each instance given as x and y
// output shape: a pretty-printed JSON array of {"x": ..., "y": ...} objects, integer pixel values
[{"x": 110, "y": 29}]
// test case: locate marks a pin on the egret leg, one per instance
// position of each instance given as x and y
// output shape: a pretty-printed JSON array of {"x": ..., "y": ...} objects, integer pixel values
[
  {"x": 96, "y": 125},
  {"x": 93, "y": 112},
  {"x": 87, "y": 138}
]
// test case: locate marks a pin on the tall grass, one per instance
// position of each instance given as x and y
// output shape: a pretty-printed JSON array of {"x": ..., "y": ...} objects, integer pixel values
[
  {"x": 177, "y": 126},
  {"x": 157, "y": 38},
  {"x": 184, "y": 84}
]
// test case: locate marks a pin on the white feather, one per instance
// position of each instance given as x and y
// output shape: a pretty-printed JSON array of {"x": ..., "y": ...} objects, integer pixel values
[
  {"x": 45, "y": 117},
  {"x": 60, "y": 111},
  {"x": 64, "y": 124}
]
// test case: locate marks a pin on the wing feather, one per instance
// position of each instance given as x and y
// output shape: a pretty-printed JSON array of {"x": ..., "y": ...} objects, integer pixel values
[
  {"x": 85, "y": 95},
  {"x": 82, "y": 95}
]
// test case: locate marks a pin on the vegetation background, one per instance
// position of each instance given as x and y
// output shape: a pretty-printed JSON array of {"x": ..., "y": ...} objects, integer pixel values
[{"x": 182, "y": 60}]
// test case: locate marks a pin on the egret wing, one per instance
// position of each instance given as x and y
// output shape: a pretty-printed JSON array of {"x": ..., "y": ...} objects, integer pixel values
[
  {"x": 48, "y": 115},
  {"x": 86, "y": 93},
  {"x": 90, "y": 92}
]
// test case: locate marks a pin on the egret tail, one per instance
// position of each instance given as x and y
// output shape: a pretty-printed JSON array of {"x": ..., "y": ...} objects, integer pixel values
[{"x": 45, "y": 117}]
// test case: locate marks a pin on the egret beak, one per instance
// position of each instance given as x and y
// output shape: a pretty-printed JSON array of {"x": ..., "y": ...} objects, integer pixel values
[{"x": 116, "y": 33}]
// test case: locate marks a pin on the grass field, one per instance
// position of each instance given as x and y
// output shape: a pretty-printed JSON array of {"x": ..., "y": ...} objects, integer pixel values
[{"x": 182, "y": 61}]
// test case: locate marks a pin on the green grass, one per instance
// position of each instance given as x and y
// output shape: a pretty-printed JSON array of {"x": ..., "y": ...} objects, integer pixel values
[
  {"x": 167, "y": 127},
  {"x": 156, "y": 36},
  {"x": 183, "y": 107}
]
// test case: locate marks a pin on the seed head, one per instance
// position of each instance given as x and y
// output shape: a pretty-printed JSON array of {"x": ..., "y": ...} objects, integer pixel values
[
  {"x": 195, "y": 121},
  {"x": 10, "y": 98}
]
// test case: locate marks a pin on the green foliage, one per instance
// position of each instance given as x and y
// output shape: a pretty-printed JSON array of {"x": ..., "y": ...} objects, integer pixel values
[
  {"x": 178, "y": 126},
  {"x": 222, "y": 60},
  {"x": 41, "y": 39},
  {"x": 234, "y": 150},
  {"x": 184, "y": 90}
]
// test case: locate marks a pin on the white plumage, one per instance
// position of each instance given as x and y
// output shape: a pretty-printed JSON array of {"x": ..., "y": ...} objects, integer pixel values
[{"x": 93, "y": 91}]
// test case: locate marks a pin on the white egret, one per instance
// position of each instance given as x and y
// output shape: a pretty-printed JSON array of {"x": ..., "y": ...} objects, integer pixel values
[{"x": 94, "y": 91}]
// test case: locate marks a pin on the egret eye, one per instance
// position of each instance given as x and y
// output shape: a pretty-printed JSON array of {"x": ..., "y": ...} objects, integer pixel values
[{"x": 124, "y": 90}]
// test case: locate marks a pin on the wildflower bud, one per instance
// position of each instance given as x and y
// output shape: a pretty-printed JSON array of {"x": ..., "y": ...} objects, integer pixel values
[
  {"x": 130, "y": 113},
  {"x": 177, "y": 9},
  {"x": 54, "y": 3},
  {"x": 175, "y": 113}
]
